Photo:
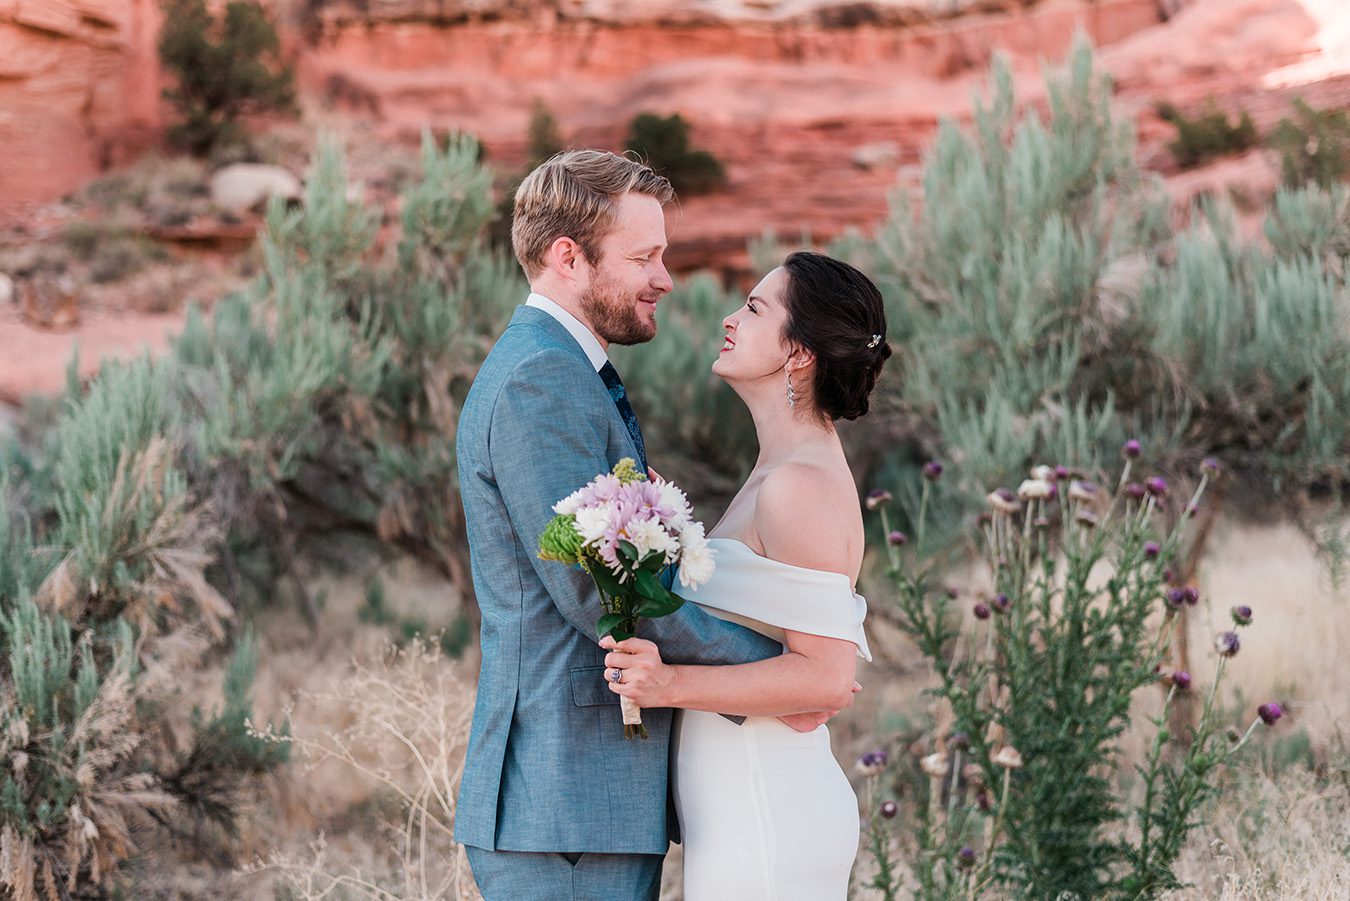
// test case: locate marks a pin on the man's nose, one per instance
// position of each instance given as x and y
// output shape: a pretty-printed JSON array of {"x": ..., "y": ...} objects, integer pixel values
[{"x": 663, "y": 282}]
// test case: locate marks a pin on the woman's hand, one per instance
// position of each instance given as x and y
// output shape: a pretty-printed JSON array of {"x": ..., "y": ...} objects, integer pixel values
[{"x": 644, "y": 678}]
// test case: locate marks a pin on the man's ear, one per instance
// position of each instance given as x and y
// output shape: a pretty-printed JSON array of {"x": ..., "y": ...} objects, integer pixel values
[{"x": 565, "y": 257}]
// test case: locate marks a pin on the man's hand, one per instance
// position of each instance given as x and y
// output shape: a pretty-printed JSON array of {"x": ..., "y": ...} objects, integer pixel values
[{"x": 810, "y": 722}]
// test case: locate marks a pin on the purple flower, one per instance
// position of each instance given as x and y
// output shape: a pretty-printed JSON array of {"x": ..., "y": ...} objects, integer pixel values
[
  {"x": 932, "y": 470},
  {"x": 1132, "y": 449},
  {"x": 1061, "y": 473},
  {"x": 1156, "y": 486},
  {"x": 1190, "y": 595},
  {"x": 889, "y": 809},
  {"x": 1181, "y": 679},
  {"x": 1227, "y": 643},
  {"x": 1085, "y": 518},
  {"x": 965, "y": 858},
  {"x": 1192, "y": 510},
  {"x": 1135, "y": 491},
  {"x": 1269, "y": 712},
  {"x": 1176, "y": 598},
  {"x": 878, "y": 497},
  {"x": 872, "y": 762},
  {"x": 1210, "y": 466},
  {"x": 959, "y": 741},
  {"x": 1152, "y": 549},
  {"x": 983, "y": 800},
  {"x": 897, "y": 539},
  {"x": 981, "y": 611},
  {"x": 1002, "y": 603},
  {"x": 1242, "y": 615}
]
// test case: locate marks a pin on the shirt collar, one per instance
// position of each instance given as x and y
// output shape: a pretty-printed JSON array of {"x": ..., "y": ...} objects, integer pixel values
[{"x": 589, "y": 343}]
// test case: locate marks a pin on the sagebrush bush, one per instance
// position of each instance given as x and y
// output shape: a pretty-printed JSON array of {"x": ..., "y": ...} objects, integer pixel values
[
  {"x": 1208, "y": 135},
  {"x": 663, "y": 142},
  {"x": 1314, "y": 146}
]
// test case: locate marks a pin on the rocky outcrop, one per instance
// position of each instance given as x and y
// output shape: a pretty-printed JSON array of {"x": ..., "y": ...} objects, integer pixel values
[{"x": 79, "y": 89}]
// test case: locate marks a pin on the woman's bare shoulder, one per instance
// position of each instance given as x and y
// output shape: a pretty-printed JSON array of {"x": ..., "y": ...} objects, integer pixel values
[{"x": 806, "y": 514}]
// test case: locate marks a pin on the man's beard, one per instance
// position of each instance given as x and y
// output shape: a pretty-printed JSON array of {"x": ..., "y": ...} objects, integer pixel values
[{"x": 613, "y": 314}]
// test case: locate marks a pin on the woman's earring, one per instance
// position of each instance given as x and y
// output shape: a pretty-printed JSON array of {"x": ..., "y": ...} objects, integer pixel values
[{"x": 792, "y": 395}]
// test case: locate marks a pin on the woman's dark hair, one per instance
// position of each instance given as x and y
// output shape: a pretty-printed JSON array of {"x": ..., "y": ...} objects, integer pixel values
[{"x": 836, "y": 313}]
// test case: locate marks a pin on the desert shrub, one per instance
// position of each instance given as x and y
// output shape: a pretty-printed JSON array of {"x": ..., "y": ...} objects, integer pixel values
[
  {"x": 663, "y": 141},
  {"x": 1314, "y": 145},
  {"x": 542, "y": 140},
  {"x": 1045, "y": 309},
  {"x": 1026, "y": 794},
  {"x": 1208, "y": 135},
  {"x": 223, "y": 68}
]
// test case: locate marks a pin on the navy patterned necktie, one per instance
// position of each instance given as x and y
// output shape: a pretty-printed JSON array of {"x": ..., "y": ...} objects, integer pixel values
[{"x": 610, "y": 376}]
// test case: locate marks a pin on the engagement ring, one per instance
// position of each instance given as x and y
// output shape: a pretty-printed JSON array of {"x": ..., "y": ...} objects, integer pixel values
[{"x": 616, "y": 675}]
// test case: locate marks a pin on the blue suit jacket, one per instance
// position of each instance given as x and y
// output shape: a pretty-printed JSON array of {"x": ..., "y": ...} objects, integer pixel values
[{"x": 548, "y": 768}]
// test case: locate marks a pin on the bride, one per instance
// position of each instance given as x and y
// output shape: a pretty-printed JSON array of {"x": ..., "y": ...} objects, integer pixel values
[{"x": 765, "y": 810}]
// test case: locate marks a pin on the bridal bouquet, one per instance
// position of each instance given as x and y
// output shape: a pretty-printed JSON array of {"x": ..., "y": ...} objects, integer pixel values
[{"x": 623, "y": 530}]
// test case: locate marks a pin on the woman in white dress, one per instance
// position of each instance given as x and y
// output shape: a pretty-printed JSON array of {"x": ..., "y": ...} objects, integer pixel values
[{"x": 765, "y": 810}]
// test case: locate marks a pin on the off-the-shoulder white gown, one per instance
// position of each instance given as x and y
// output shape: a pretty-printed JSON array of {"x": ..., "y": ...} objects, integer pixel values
[{"x": 765, "y": 811}]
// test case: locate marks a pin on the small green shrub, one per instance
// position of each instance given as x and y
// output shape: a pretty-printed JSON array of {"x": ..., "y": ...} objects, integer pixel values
[
  {"x": 1314, "y": 145},
  {"x": 1208, "y": 135},
  {"x": 223, "y": 68},
  {"x": 663, "y": 141}
]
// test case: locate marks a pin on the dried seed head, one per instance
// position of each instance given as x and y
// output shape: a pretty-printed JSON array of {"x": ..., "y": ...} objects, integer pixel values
[
  {"x": 1210, "y": 466},
  {"x": 889, "y": 809},
  {"x": 1086, "y": 518},
  {"x": 1084, "y": 491},
  {"x": 872, "y": 762},
  {"x": 1043, "y": 473},
  {"x": 1242, "y": 615},
  {"x": 1041, "y": 522},
  {"x": 1035, "y": 490},
  {"x": 1008, "y": 758},
  {"x": 932, "y": 470},
  {"x": 877, "y": 497},
  {"x": 1227, "y": 643},
  {"x": 959, "y": 741},
  {"x": 935, "y": 765},
  {"x": 1003, "y": 501}
]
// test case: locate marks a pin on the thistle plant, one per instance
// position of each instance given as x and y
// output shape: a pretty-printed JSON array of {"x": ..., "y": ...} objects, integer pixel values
[{"x": 1024, "y": 795}]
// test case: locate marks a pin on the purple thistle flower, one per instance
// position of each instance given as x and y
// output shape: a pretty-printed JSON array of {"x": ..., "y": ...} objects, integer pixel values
[
  {"x": 1181, "y": 679},
  {"x": 1210, "y": 466},
  {"x": 1132, "y": 449},
  {"x": 932, "y": 470},
  {"x": 1242, "y": 615},
  {"x": 872, "y": 762},
  {"x": 981, "y": 611},
  {"x": 878, "y": 497},
  {"x": 1156, "y": 486},
  {"x": 1190, "y": 595},
  {"x": 1002, "y": 603},
  {"x": 983, "y": 800},
  {"x": 959, "y": 741},
  {"x": 1269, "y": 712},
  {"x": 1227, "y": 643},
  {"x": 1176, "y": 598},
  {"x": 1061, "y": 473},
  {"x": 889, "y": 809},
  {"x": 1086, "y": 518},
  {"x": 1192, "y": 510},
  {"x": 1135, "y": 491},
  {"x": 965, "y": 858},
  {"x": 897, "y": 539},
  {"x": 1152, "y": 549}
]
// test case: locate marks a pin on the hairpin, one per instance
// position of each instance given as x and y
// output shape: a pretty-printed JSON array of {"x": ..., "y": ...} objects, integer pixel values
[{"x": 876, "y": 339}]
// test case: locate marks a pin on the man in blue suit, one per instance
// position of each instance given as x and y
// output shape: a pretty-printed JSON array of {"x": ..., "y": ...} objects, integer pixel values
[{"x": 555, "y": 803}]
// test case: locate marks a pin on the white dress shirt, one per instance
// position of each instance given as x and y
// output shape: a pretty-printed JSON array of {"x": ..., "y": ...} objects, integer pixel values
[{"x": 589, "y": 343}]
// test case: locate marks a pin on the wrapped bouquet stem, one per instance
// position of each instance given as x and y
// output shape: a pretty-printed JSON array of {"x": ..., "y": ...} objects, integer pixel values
[{"x": 624, "y": 530}]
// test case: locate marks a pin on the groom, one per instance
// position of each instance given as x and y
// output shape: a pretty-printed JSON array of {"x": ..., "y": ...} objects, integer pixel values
[{"x": 554, "y": 802}]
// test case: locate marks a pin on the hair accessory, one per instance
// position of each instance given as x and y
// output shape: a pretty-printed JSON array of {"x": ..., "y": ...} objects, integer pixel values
[{"x": 876, "y": 339}]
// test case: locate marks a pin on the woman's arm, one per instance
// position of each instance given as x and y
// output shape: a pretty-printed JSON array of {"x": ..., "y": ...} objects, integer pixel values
[{"x": 800, "y": 521}]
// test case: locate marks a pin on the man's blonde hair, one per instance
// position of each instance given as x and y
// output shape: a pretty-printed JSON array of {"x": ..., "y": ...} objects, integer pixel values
[{"x": 572, "y": 195}]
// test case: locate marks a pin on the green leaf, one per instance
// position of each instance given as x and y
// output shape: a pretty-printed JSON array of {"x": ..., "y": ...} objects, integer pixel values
[
  {"x": 628, "y": 551},
  {"x": 608, "y": 625},
  {"x": 606, "y": 581},
  {"x": 657, "y": 601}
]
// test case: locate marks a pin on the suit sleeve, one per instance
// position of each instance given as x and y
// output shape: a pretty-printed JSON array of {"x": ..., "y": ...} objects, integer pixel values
[{"x": 548, "y": 437}]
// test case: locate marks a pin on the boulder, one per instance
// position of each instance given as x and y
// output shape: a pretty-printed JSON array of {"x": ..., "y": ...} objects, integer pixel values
[
  {"x": 877, "y": 155},
  {"x": 6, "y": 289},
  {"x": 246, "y": 186}
]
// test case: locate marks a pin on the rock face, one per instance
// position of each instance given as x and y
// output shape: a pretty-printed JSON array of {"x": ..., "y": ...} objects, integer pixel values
[{"x": 79, "y": 88}]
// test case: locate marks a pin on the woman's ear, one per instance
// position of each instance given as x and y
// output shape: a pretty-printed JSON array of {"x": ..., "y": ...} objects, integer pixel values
[{"x": 800, "y": 358}]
